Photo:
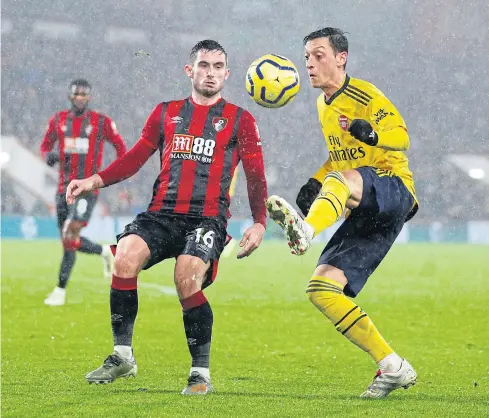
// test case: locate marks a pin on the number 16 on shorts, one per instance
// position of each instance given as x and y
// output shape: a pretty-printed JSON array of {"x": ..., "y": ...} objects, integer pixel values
[{"x": 204, "y": 237}]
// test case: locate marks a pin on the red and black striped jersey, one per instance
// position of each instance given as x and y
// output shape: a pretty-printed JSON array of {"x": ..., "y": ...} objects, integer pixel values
[
  {"x": 200, "y": 147},
  {"x": 80, "y": 143}
]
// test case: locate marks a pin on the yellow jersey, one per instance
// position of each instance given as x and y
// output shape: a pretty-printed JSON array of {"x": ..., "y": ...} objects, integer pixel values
[{"x": 358, "y": 99}]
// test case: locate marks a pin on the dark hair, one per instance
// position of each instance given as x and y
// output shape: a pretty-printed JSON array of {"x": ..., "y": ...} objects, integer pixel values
[
  {"x": 336, "y": 37},
  {"x": 207, "y": 45},
  {"x": 80, "y": 82}
]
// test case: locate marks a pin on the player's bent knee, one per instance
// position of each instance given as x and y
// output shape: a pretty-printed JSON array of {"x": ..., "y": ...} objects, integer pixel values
[
  {"x": 131, "y": 256},
  {"x": 189, "y": 268},
  {"x": 332, "y": 273},
  {"x": 71, "y": 244},
  {"x": 325, "y": 286},
  {"x": 128, "y": 263}
]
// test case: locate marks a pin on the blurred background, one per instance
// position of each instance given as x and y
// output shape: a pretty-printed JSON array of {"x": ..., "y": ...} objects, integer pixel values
[{"x": 430, "y": 58}]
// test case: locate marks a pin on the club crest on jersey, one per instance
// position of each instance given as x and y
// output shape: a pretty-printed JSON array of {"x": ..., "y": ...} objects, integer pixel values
[
  {"x": 219, "y": 123},
  {"x": 88, "y": 130},
  {"x": 343, "y": 121}
]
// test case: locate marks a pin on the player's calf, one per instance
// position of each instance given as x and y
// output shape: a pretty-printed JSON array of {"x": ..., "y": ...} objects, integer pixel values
[{"x": 198, "y": 321}]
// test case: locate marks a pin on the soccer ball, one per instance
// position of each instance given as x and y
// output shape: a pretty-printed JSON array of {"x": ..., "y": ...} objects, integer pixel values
[{"x": 272, "y": 81}]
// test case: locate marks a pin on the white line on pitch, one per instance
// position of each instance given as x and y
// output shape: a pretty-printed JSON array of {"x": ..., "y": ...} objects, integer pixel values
[{"x": 166, "y": 290}]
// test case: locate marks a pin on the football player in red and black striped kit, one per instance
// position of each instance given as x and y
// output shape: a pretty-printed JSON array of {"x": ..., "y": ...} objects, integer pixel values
[
  {"x": 200, "y": 139},
  {"x": 77, "y": 136}
]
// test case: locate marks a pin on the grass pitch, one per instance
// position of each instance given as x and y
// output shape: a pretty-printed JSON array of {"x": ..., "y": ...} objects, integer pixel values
[{"x": 273, "y": 353}]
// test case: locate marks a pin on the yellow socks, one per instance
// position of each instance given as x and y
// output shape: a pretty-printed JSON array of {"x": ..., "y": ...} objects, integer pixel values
[
  {"x": 327, "y": 295},
  {"x": 329, "y": 205}
]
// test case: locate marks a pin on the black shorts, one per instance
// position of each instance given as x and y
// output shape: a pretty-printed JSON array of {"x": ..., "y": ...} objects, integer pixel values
[
  {"x": 365, "y": 237},
  {"x": 81, "y": 210},
  {"x": 169, "y": 236}
]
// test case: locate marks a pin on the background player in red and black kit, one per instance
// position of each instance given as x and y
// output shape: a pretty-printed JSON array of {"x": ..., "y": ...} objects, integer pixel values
[
  {"x": 201, "y": 140},
  {"x": 78, "y": 134}
]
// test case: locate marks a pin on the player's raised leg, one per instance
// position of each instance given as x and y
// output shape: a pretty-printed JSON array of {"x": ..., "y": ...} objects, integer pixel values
[
  {"x": 131, "y": 256},
  {"x": 337, "y": 189},
  {"x": 198, "y": 319}
]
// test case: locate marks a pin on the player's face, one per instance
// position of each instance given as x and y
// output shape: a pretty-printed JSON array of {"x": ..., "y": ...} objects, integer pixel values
[
  {"x": 79, "y": 97},
  {"x": 208, "y": 73},
  {"x": 323, "y": 64}
]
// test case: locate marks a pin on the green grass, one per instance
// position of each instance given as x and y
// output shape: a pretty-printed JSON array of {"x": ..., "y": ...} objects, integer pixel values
[{"x": 273, "y": 353}]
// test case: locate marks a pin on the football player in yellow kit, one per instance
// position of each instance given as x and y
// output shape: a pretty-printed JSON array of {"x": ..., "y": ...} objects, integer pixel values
[{"x": 366, "y": 173}]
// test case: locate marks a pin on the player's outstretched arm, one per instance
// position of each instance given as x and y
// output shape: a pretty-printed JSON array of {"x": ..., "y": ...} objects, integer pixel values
[{"x": 78, "y": 187}]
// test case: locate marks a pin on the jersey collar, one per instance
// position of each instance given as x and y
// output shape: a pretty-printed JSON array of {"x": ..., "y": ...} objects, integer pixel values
[
  {"x": 77, "y": 113},
  {"x": 212, "y": 105},
  {"x": 342, "y": 88}
]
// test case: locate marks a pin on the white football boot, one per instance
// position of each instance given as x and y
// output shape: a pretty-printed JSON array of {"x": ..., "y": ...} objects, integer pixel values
[
  {"x": 298, "y": 232},
  {"x": 385, "y": 383},
  {"x": 56, "y": 298},
  {"x": 108, "y": 260}
]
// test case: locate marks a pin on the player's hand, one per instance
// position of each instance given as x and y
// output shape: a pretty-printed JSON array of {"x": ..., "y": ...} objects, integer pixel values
[
  {"x": 307, "y": 195},
  {"x": 52, "y": 158},
  {"x": 251, "y": 240},
  {"x": 363, "y": 131},
  {"x": 78, "y": 187}
]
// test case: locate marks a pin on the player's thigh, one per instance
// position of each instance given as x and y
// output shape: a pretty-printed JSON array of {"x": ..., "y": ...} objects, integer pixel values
[
  {"x": 131, "y": 256},
  {"x": 190, "y": 274},
  {"x": 160, "y": 233},
  {"x": 384, "y": 196},
  {"x": 354, "y": 181},
  {"x": 205, "y": 240},
  {"x": 355, "y": 251}
]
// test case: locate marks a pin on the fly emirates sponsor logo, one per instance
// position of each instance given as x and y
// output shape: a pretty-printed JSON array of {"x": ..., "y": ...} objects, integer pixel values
[{"x": 343, "y": 154}]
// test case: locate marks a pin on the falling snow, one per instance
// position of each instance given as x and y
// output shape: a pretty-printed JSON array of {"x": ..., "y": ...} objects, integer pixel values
[{"x": 429, "y": 58}]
